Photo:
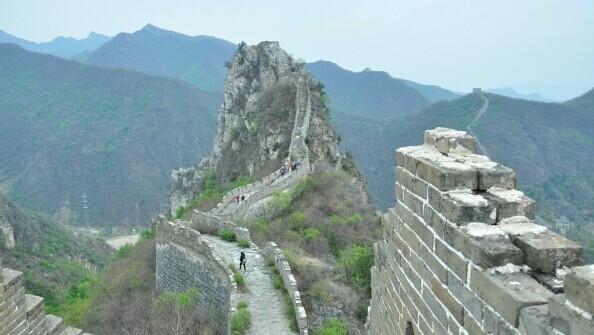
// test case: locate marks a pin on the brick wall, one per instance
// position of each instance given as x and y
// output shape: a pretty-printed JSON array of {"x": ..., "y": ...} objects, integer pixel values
[
  {"x": 461, "y": 254},
  {"x": 184, "y": 261}
]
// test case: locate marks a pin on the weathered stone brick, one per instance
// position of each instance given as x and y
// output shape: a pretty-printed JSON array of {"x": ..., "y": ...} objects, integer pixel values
[
  {"x": 579, "y": 287},
  {"x": 463, "y": 206},
  {"x": 399, "y": 192},
  {"x": 411, "y": 182},
  {"x": 472, "y": 326},
  {"x": 434, "y": 265},
  {"x": 484, "y": 245},
  {"x": 457, "y": 264},
  {"x": 445, "y": 140},
  {"x": 534, "y": 320},
  {"x": 547, "y": 251},
  {"x": 433, "y": 220},
  {"x": 495, "y": 324},
  {"x": 413, "y": 203},
  {"x": 410, "y": 238},
  {"x": 510, "y": 203},
  {"x": 418, "y": 226},
  {"x": 508, "y": 293},
  {"x": 435, "y": 306},
  {"x": 567, "y": 320},
  {"x": 411, "y": 273},
  {"x": 447, "y": 300},
  {"x": 468, "y": 299}
]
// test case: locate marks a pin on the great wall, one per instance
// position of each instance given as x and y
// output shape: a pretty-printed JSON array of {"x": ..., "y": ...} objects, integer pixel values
[{"x": 461, "y": 254}]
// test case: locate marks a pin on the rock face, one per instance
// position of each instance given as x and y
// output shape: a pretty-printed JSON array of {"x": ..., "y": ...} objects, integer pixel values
[{"x": 270, "y": 101}]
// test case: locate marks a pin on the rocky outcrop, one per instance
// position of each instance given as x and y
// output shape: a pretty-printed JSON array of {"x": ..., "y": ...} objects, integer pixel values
[{"x": 269, "y": 101}]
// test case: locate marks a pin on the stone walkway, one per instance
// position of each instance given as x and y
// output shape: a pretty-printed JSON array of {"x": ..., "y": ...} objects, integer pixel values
[
  {"x": 475, "y": 119},
  {"x": 264, "y": 301}
]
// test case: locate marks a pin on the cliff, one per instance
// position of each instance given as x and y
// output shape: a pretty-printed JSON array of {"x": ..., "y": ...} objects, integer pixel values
[{"x": 266, "y": 93}]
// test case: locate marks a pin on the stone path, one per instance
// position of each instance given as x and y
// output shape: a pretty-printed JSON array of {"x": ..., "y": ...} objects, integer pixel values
[
  {"x": 475, "y": 119},
  {"x": 264, "y": 301}
]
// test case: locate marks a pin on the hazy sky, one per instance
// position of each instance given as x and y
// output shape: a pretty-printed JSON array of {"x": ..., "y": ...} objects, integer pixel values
[{"x": 541, "y": 45}]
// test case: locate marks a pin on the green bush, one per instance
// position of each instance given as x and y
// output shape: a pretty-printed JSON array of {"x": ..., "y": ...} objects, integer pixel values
[
  {"x": 356, "y": 263},
  {"x": 333, "y": 327},
  {"x": 243, "y": 243},
  {"x": 241, "y": 320},
  {"x": 239, "y": 279},
  {"x": 311, "y": 233},
  {"x": 227, "y": 235}
]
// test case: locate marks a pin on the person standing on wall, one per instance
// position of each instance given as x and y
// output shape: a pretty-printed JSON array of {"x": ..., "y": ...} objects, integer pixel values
[{"x": 242, "y": 261}]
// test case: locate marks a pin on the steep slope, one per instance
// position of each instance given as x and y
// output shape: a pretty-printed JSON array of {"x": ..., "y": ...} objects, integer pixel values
[
  {"x": 257, "y": 119},
  {"x": 68, "y": 129},
  {"x": 64, "y": 47},
  {"x": 199, "y": 60},
  {"x": 51, "y": 258}
]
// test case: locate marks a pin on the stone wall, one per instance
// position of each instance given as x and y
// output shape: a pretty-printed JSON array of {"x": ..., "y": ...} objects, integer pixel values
[
  {"x": 184, "y": 261},
  {"x": 282, "y": 265},
  {"x": 461, "y": 254},
  {"x": 207, "y": 223},
  {"x": 24, "y": 314}
]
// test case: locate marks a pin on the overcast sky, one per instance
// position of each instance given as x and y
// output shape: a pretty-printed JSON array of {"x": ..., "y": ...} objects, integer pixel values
[{"x": 537, "y": 45}]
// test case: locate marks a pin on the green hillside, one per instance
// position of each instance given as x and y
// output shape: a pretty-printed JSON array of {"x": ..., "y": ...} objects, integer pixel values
[
  {"x": 199, "y": 60},
  {"x": 68, "y": 129},
  {"x": 51, "y": 258},
  {"x": 548, "y": 145},
  {"x": 584, "y": 101}
]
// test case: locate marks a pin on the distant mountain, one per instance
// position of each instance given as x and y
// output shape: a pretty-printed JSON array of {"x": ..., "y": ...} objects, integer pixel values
[
  {"x": 549, "y": 145},
  {"x": 59, "y": 46},
  {"x": 373, "y": 93},
  {"x": 67, "y": 128},
  {"x": 199, "y": 60},
  {"x": 432, "y": 93},
  {"x": 510, "y": 92}
]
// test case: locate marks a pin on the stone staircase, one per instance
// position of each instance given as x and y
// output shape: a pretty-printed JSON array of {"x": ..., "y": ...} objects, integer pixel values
[{"x": 23, "y": 314}]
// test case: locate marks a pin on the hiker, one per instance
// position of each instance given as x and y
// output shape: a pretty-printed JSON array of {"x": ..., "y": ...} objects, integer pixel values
[
  {"x": 242, "y": 261},
  {"x": 242, "y": 198},
  {"x": 237, "y": 198},
  {"x": 282, "y": 171}
]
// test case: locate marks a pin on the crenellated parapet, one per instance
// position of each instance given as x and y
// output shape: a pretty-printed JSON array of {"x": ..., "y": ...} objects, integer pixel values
[{"x": 461, "y": 252}]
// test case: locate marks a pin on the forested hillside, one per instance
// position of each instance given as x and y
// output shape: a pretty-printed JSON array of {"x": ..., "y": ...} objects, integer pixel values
[{"x": 67, "y": 129}]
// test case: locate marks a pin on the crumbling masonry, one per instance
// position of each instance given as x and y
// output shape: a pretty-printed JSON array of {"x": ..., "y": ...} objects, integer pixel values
[{"x": 461, "y": 254}]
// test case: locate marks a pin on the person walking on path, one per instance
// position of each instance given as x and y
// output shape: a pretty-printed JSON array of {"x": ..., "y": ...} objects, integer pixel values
[{"x": 242, "y": 261}]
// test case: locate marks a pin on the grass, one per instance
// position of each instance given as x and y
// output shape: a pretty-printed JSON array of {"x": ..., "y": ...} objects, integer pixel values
[
  {"x": 241, "y": 320},
  {"x": 227, "y": 235},
  {"x": 243, "y": 243},
  {"x": 279, "y": 284}
]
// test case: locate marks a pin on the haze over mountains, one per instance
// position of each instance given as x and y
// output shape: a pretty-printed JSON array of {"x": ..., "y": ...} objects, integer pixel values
[
  {"x": 64, "y": 47},
  {"x": 374, "y": 113}
]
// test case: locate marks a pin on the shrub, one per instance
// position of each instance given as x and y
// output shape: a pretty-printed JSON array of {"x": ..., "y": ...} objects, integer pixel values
[
  {"x": 333, "y": 327},
  {"x": 356, "y": 263},
  {"x": 239, "y": 279},
  {"x": 311, "y": 233},
  {"x": 241, "y": 320},
  {"x": 227, "y": 235},
  {"x": 243, "y": 243}
]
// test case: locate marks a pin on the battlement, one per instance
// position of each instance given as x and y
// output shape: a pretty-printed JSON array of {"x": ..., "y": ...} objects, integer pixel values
[{"x": 461, "y": 253}]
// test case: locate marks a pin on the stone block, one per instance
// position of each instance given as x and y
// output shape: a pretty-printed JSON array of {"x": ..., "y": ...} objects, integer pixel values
[
  {"x": 551, "y": 281},
  {"x": 579, "y": 287},
  {"x": 413, "y": 202},
  {"x": 463, "y": 206},
  {"x": 493, "y": 323},
  {"x": 508, "y": 293},
  {"x": 485, "y": 245},
  {"x": 411, "y": 182},
  {"x": 469, "y": 300},
  {"x": 410, "y": 238},
  {"x": 567, "y": 319},
  {"x": 472, "y": 326},
  {"x": 435, "y": 306},
  {"x": 434, "y": 220},
  {"x": 435, "y": 266},
  {"x": 510, "y": 203},
  {"x": 534, "y": 320},
  {"x": 455, "y": 262},
  {"x": 417, "y": 225},
  {"x": 445, "y": 140},
  {"x": 447, "y": 300},
  {"x": 447, "y": 174},
  {"x": 548, "y": 251}
]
